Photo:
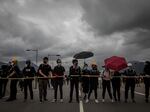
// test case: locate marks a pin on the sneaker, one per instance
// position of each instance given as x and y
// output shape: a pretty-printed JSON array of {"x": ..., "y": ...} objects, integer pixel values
[
  {"x": 103, "y": 100},
  {"x": 70, "y": 101},
  {"x": 87, "y": 101},
  {"x": 112, "y": 101},
  {"x": 61, "y": 100},
  {"x": 96, "y": 101},
  {"x": 54, "y": 100}
]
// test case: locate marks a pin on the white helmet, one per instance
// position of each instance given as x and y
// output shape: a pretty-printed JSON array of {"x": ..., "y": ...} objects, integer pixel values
[{"x": 129, "y": 64}]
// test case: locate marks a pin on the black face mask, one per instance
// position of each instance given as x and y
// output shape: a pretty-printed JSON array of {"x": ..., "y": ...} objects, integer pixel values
[{"x": 45, "y": 62}]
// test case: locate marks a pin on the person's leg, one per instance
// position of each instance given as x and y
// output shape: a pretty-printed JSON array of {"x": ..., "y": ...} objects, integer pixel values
[
  {"x": 114, "y": 86},
  {"x": 118, "y": 92},
  {"x": 71, "y": 90},
  {"x": 4, "y": 88},
  {"x": 25, "y": 89},
  {"x": 40, "y": 89},
  {"x": 45, "y": 89},
  {"x": 61, "y": 89},
  {"x": 126, "y": 91},
  {"x": 14, "y": 89},
  {"x": 77, "y": 90},
  {"x": 104, "y": 89},
  {"x": 30, "y": 89},
  {"x": 132, "y": 91},
  {"x": 55, "y": 89},
  {"x": 95, "y": 92},
  {"x": 109, "y": 89}
]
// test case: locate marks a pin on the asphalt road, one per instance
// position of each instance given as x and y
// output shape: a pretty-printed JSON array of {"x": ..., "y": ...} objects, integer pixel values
[{"x": 36, "y": 106}]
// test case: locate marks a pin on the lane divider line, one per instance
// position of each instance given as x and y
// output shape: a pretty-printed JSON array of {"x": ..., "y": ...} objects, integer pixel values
[{"x": 81, "y": 106}]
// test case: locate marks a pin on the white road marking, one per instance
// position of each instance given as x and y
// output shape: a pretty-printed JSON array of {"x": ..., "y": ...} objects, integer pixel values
[
  {"x": 81, "y": 106},
  {"x": 139, "y": 93}
]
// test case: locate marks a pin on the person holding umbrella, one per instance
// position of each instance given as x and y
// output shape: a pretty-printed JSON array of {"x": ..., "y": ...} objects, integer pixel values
[
  {"x": 106, "y": 84},
  {"x": 74, "y": 75},
  {"x": 93, "y": 81},
  {"x": 116, "y": 84},
  {"x": 130, "y": 82},
  {"x": 85, "y": 80}
]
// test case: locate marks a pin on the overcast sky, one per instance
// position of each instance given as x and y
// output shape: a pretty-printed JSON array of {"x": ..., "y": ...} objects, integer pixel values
[{"x": 66, "y": 27}]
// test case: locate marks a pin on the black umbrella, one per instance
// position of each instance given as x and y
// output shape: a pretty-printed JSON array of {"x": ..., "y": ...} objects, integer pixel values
[{"x": 83, "y": 55}]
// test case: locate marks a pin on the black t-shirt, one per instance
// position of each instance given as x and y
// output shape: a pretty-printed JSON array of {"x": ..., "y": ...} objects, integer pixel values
[
  {"x": 59, "y": 70},
  {"x": 29, "y": 71},
  {"x": 75, "y": 72},
  {"x": 45, "y": 68},
  {"x": 17, "y": 71}
]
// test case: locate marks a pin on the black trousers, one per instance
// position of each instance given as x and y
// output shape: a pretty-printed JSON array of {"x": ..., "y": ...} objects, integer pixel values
[
  {"x": 3, "y": 84},
  {"x": 116, "y": 89},
  {"x": 95, "y": 92},
  {"x": 128, "y": 85},
  {"x": 106, "y": 85},
  {"x": 147, "y": 87},
  {"x": 28, "y": 84},
  {"x": 13, "y": 89},
  {"x": 58, "y": 83},
  {"x": 43, "y": 88},
  {"x": 74, "y": 83}
]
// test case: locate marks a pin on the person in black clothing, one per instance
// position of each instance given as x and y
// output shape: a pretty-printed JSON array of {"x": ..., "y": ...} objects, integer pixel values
[
  {"x": 130, "y": 82},
  {"x": 44, "y": 72},
  {"x": 116, "y": 84},
  {"x": 14, "y": 72},
  {"x": 147, "y": 80},
  {"x": 28, "y": 72},
  {"x": 94, "y": 74},
  {"x": 74, "y": 75},
  {"x": 3, "y": 82},
  {"x": 85, "y": 80},
  {"x": 58, "y": 74}
]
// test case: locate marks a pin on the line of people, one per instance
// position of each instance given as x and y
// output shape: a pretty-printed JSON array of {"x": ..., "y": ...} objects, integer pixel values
[{"x": 88, "y": 77}]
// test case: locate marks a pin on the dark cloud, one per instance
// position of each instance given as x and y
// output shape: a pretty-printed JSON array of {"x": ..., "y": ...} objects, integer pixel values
[{"x": 107, "y": 16}]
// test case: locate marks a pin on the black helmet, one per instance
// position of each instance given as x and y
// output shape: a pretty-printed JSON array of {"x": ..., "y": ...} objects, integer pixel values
[
  {"x": 74, "y": 61},
  {"x": 58, "y": 61},
  {"x": 28, "y": 62},
  {"x": 45, "y": 58}
]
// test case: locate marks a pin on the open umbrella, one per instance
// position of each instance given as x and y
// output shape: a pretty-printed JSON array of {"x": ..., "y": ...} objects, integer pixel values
[
  {"x": 83, "y": 55},
  {"x": 116, "y": 63}
]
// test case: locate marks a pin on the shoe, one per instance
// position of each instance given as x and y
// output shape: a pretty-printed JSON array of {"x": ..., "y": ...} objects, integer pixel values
[
  {"x": 133, "y": 101},
  {"x": 112, "y": 101},
  {"x": 77, "y": 101},
  {"x": 146, "y": 100},
  {"x": 9, "y": 99},
  {"x": 41, "y": 101},
  {"x": 103, "y": 100},
  {"x": 45, "y": 99},
  {"x": 70, "y": 101},
  {"x": 25, "y": 100},
  {"x": 87, "y": 101},
  {"x": 96, "y": 101},
  {"x": 61, "y": 100},
  {"x": 54, "y": 100},
  {"x": 126, "y": 101}
]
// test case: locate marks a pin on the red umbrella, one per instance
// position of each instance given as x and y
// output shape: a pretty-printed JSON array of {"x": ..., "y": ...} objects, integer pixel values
[{"x": 116, "y": 63}]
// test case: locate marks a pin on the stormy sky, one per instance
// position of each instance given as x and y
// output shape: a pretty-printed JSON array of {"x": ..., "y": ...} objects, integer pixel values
[{"x": 66, "y": 27}]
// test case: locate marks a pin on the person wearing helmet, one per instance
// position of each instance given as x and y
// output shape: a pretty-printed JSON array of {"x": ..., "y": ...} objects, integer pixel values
[
  {"x": 93, "y": 82},
  {"x": 14, "y": 72},
  {"x": 44, "y": 72},
  {"x": 58, "y": 74},
  {"x": 130, "y": 82},
  {"x": 147, "y": 80},
  {"x": 74, "y": 75},
  {"x": 28, "y": 72}
]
